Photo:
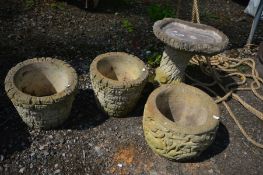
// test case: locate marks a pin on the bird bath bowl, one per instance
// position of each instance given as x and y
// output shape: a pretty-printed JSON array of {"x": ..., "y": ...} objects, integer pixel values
[
  {"x": 118, "y": 79},
  {"x": 179, "y": 121},
  {"x": 42, "y": 91},
  {"x": 183, "y": 40}
]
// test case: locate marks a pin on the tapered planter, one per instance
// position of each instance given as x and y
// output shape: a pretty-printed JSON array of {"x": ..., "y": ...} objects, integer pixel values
[
  {"x": 183, "y": 40},
  {"x": 180, "y": 121},
  {"x": 42, "y": 91},
  {"x": 118, "y": 79}
]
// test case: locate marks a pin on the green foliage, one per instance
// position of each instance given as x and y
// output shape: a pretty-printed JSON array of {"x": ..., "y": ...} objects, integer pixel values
[
  {"x": 157, "y": 12},
  {"x": 126, "y": 24},
  {"x": 210, "y": 16},
  {"x": 58, "y": 5},
  {"x": 243, "y": 68},
  {"x": 29, "y": 4},
  {"x": 155, "y": 59}
]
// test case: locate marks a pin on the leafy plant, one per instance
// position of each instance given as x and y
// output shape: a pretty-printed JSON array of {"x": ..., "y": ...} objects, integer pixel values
[
  {"x": 155, "y": 59},
  {"x": 29, "y": 4},
  {"x": 243, "y": 68},
  {"x": 206, "y": 14},
  {"x": 58, "y": 5},
  {"x": 126, "y": 24},
  {"x": 157, "y": 12}
]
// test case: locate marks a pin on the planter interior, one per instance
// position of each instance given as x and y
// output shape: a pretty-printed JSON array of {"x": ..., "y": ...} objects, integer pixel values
[
  {"x": 120, "y": 68},
  {"x": 41, "y": 79},
  {"x": 185, "y": 108}
]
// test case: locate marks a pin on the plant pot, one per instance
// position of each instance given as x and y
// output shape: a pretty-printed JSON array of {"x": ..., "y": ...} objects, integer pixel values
[
  {"x": 183, "y": 40},
  {"x": 118, "y": 80},
  {"x": 42, "y": 91},
  {"x": 180, "y": 121}
]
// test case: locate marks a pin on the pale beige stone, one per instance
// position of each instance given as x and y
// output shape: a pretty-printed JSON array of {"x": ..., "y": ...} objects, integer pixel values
[
  {"x": 184, "y": 39},
  {"x": 42, "y": 90},
  {"x": 179, "y": 122},
  {"x": 118, "y": 80}
]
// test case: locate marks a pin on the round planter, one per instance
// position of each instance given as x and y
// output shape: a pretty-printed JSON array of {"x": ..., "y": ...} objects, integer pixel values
[
  {"x": 180, "y": 121},
  {"x": 42, "y": 91},
  {"x": 117, "y": 79}
]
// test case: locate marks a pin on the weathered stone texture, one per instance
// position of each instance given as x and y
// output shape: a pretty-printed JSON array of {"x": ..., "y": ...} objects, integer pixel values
[
  {"x": 177, "y": 131},
  {"x": 117, "y": 98},
  {"x": 174, "y": 145},
  {"x": 42, "y": 112}
]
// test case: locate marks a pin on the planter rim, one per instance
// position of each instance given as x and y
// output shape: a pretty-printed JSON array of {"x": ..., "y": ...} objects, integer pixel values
[
  {"x": 19, "y": 97},
  {"x": 176, "y": 43},
  {"x": 151, "y": 106},
  {"x": 116, "y": 83}
]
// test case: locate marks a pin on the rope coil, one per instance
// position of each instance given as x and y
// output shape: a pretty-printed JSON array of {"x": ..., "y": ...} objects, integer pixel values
[{"x": 212, "y": 67}]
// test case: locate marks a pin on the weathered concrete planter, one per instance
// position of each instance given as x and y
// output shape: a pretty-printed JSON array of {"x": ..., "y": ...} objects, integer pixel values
[
  {"x": 179, "y": 121},
  {"x": 118, "y": 79},
  {"x": 183, "y": 40},
  {"x": 42, "y": 91}
]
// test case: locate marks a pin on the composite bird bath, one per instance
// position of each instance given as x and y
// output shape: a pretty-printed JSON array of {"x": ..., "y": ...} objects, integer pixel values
[
  {"x": 42, "y": 91},
  {"x": 183, "y": 40},
  {"x": 118, "y": 79},
  {"x": 180, "y": 121}
]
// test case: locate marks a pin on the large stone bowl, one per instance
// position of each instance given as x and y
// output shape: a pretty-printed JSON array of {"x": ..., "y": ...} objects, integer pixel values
[
  {"x": 118, "y": 79},
  {"x": 180, "y": 121},
  {"x": 183, "y": 40},
  {"x": 42, "y": 91}
]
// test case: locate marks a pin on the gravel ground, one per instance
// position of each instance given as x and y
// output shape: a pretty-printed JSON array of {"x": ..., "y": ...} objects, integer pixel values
[{"x": 89, "y": 142}]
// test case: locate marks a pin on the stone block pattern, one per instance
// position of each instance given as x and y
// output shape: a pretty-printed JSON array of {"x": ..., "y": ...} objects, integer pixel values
[
  {"x": 172, "y": 66},
  {"x": 45, "y": 116},
  {"x": 119, "y": 100},
  {"x": 42, "y": 112}
]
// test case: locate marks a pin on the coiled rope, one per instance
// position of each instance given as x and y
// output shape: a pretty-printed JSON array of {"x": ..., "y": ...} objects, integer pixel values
[{"x": 214, "y": 65}]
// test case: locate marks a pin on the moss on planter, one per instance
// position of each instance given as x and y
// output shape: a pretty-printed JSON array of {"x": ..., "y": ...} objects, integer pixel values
[
  {"x": 118, "y": 79},
  {"x": 42, "y": 90},
  {"x": 179, "y": 121}
]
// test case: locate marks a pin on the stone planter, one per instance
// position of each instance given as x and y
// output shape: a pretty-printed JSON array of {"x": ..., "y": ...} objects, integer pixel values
[
  {"x": 42, "y": 91},
  {"x": 118, "y": 80},
  {"x": 183, "y": 40},
  {"x": 179, "y": 121}
]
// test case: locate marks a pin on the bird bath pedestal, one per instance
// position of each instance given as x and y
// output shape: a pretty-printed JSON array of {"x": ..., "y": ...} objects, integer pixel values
[{"x": 183, "y": 40}]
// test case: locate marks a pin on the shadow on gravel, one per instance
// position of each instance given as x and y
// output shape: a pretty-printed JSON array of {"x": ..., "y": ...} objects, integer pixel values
[
  {"x": 14, "y": 133},
  {"x": 195, "y": 72},
  {"x": 105, "y": 6},
  {"x": 242, "y": 2},
  {"x": 10, "y": 9},
  {"x": 219, "y": 145},
  {"x": 139, "y": 108},
  {"x": 84, "y": 114}
]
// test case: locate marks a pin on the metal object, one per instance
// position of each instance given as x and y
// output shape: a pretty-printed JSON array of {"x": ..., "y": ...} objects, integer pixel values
[{"x": 255, "y": 22}]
